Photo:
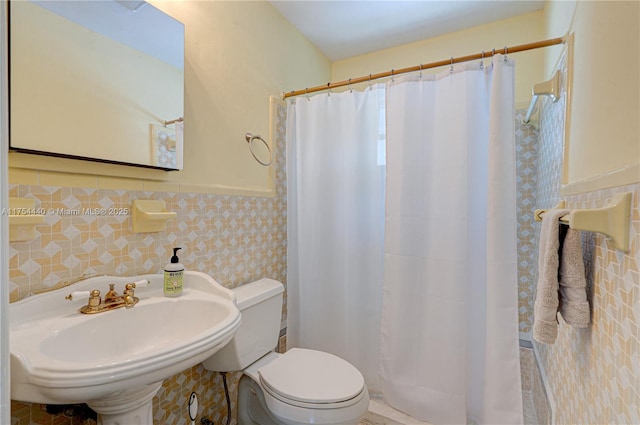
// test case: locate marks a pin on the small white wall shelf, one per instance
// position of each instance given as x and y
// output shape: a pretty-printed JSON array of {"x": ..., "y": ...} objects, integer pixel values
[
  {"x": 150, "y": 216},
  {"x": 612, "y": 220},
  {"x": 23, "y": 218}
]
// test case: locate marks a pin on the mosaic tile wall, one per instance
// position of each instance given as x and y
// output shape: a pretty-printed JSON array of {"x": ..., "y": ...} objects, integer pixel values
[
  {"x": 534, "y": 403},
  {"x": 235, "y": 239},
  {"x": 593, "y": 375},
  {"x": 526, "y": 185}
]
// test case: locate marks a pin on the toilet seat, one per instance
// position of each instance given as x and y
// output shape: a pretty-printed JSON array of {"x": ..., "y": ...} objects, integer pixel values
[{"x": 312, "y": 379}]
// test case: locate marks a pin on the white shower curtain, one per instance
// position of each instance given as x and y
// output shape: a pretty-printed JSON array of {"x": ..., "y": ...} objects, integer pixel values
[
  {"x": 335, "y": 221},
  {"x": 449, "y": 343}
]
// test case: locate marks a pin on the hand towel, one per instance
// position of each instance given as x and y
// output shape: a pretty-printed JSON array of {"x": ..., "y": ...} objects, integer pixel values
[
  {"x": 545, "y": 322},
  {"x": 574, "y": 306}
]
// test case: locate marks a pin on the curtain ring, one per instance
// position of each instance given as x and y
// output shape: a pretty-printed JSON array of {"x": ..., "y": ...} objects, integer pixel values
[
  {"x": 451, "y": 70},
  {"x": 482, "y": 61},
  {"x": 505, "y": 54},
  {"x": 250, "y": 138}
]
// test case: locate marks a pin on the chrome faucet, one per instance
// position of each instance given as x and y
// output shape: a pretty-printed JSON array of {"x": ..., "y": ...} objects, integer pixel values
[{"x": 112, "y": 299}]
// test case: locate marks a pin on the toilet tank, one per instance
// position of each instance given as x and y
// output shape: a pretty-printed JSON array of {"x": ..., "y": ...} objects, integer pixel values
[{"x": 260, "y": 304}]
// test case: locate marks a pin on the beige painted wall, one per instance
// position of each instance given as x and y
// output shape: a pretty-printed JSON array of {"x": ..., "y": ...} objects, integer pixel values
[
  {"x": 604, "y": 134},
  {"x": 237, "y": 55},
  {"x": 240, "y": 53},
  {"x": 81, "y": 98},
  {"x": 510, "y": 32}
]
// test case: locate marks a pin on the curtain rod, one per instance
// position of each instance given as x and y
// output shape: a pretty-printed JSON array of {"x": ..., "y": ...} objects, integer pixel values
[{"x": 450, "y": 61}]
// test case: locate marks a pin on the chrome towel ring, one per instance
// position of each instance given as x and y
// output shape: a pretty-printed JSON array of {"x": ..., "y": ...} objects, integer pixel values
[{"x": 250, "y": 138}]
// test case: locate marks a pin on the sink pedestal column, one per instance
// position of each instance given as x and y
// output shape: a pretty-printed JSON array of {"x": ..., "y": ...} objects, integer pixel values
[{"x": 129, "y": 407}]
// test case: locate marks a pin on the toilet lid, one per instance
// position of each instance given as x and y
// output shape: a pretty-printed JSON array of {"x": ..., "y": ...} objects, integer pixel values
[{"x": 311, "y": 376}]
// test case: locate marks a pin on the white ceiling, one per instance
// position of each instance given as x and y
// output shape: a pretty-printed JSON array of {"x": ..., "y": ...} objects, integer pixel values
[{"x": 346, "y": 28}]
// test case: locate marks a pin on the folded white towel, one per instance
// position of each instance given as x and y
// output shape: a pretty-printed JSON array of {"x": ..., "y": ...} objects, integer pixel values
[{"x": 562, "y": 275}]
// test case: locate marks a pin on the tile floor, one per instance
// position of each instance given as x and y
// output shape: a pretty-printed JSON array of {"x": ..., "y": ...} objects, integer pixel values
[{"x": 382, "y": 414}]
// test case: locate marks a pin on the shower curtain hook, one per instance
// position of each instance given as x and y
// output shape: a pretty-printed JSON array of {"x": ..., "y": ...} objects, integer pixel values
[
  {"x": 329, "y": 89},
  {"x": 505, "y": 54},
  {"x": 392, "y": 70},
  {"x": 306, "y": 93},
  {"x": 369, "y": 81},
  {"x": 350, "y": 89},
  {"x": 482, "y": 61},
  {"x": 451, "y": 70},
  {"x": 493, "y": 53},
  {"x": 420, "y": 77}
]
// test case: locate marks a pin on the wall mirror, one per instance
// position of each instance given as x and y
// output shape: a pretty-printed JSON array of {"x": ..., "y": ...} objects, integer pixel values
[{"x": 96, "y": 80}]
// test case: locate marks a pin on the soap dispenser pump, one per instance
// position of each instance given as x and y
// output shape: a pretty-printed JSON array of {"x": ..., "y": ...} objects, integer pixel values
[{"x": 173, "y": 276}]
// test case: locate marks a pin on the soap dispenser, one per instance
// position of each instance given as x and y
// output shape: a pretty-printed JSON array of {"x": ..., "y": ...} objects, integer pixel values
[{"x": 173, "y": 275}]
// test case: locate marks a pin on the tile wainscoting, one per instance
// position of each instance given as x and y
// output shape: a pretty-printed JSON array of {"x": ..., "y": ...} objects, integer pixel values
[
  {"x": 234, "y": 239},
  {"x": 593, "y": 374}
]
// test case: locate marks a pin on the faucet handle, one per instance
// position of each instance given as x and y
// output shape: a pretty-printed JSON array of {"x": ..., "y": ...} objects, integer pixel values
[
  {"x": 142, "y": 283},
  {"x": 128, "y": 295},
  {"x": 94, "y": 299},
  {"x": 129, "y": 287},
  {"x": 81, "y": 295},
  {"x": 93, "y": 305},
  {"x": 78, "y": 295}
]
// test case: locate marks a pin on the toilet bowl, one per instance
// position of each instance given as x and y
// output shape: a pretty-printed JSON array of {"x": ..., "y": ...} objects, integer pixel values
[{"x": 298, "y": 387}]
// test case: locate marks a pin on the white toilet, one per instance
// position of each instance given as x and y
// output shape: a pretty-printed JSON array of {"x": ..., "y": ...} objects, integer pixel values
[{"x": 298, "y": 387}]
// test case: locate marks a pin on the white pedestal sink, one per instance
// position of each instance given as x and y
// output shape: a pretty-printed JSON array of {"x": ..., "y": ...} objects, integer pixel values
[{"x": 115, "y": 361}]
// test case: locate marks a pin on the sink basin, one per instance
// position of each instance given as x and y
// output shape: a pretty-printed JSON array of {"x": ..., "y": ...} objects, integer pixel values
[
  {"x": 158, "y": 324},
  {"x": 61, "y": 356}
]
